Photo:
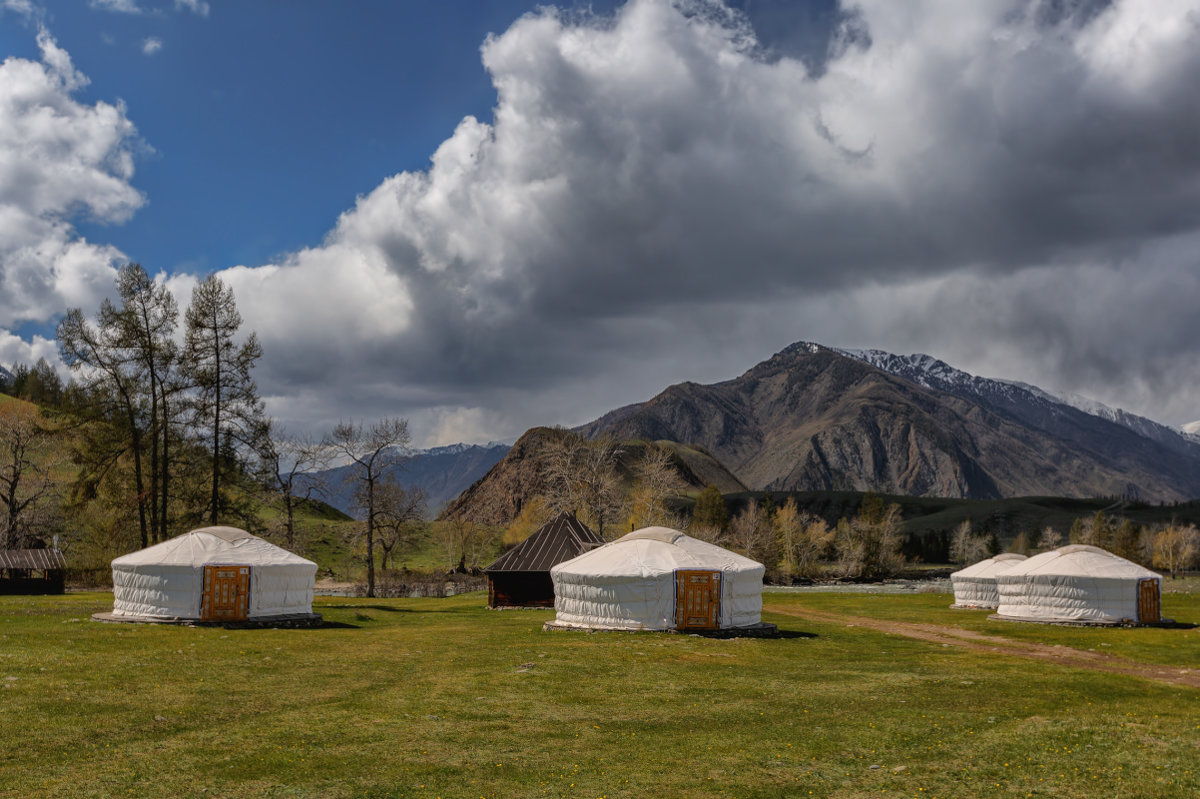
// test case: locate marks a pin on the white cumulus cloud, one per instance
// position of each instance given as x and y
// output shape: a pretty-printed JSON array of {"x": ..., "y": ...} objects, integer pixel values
[
  {"x": 60, "y": 159},
  {"x": 116, "y": 6},
  {"x": 151, "y": 45},
  {"x": 198, "y": 7}
]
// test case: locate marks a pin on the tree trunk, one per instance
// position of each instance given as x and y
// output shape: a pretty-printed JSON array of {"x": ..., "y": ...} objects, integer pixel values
[
  {"x": 155, "y": 532},
  {"x": 166, "y": 471},
  {"x": 289, "y": 503},
  {"x": 138, "y": 483},
  {"x": 216, "y": 460},
  {"x": 370, "y": 536}
]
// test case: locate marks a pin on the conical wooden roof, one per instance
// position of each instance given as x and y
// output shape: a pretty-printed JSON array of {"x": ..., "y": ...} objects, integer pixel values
[{"x": 562, "y": 538}]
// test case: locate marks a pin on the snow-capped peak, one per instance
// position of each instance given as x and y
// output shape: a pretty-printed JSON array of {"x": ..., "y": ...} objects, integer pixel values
[
  {"x": 918, "y": 367},
  {"x": 927, "y": 371},
  {"x": 458, "y": 449}
]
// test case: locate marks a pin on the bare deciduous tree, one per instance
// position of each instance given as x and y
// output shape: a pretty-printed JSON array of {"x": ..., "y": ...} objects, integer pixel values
[
  {"x": 1176, "y": 547},
  {"x": 372, "y": 451},
  {"x": 1050, "y": 539},
  {"x": 399, "y": 511},
  {"x": 25, "y": 475},
  {"x": 751, "y": 532},
  {"x": 657, "y": 483},
  {"x": 966, "y": 546},
  {"x": 869, "y": 545},
  {"x": 1096, "y": 531},
  {"x": 804, "y": 539},
  {"x": 287, "y": 460},
  {"x": 463, "y": 541},
  {"x": 581, "y": 478}
]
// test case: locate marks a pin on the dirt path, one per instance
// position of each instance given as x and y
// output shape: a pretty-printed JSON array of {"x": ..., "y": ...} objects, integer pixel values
[{"x": 980, "y": 642}]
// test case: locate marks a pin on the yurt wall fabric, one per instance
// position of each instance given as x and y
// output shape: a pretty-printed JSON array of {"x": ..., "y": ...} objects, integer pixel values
[
  {"x": 1076, "y": 583},
  {"x": 167, "y": 579},
  {"x": 630, "y": 583},
  {"x": 975, "y": 586}
]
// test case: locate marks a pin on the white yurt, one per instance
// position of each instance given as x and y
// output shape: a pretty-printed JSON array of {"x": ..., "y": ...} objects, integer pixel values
[
  {"x": 213, "y": 574},
  {"x": 1079, "y": 584},
  {"x": 657, "y": 578},
  {"x": 975, "y": 586}
]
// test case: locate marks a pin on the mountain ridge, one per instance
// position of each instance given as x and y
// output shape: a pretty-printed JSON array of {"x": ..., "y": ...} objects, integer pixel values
[
  {"x": 932, "y": 372},
  {"x": 442, "y": 473},
  {"x": 813, "y": 417},
  {"x": 500, "y": 495}
]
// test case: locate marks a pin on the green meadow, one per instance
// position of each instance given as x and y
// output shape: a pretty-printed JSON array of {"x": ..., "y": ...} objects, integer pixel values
[{"x": 444, "y": 698}]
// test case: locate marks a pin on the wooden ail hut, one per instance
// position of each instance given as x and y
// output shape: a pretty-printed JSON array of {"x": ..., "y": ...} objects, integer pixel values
[
  {"x": 32, "y": 571},
  {"x": 520, "y": 578}
]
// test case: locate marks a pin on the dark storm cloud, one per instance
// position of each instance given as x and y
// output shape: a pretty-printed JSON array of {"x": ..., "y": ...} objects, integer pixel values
[{"x": 654, "y": 181}]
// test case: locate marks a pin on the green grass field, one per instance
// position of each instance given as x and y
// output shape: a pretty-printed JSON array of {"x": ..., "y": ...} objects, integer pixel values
[{"x": 441, "y": 697}]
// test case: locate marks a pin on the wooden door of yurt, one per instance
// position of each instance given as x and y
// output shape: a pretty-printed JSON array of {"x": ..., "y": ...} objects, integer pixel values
[
  {"x": 697, "y": 599},
  {"x": 226, "y": 593},
  {"x": 1149, "y": 607}
]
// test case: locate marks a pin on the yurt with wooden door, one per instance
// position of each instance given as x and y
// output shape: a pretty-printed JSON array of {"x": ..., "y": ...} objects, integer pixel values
[
  {"x": 1079, "y": 584},
  {"x": 657, "y": 578},
  {"x": 213, "y": 574},
  {"x": 975, "y": 586}
]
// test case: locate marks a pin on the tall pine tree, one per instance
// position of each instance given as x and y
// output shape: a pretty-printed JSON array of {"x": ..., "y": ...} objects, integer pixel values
[
  {"x": 126, "y": 362},
  {"x": 225, "y": 399}
]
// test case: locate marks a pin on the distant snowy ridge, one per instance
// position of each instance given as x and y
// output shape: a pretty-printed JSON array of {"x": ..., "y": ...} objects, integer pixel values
[
  {"x": 927, "y": 371},
  {"x": 458, "y": 449}
]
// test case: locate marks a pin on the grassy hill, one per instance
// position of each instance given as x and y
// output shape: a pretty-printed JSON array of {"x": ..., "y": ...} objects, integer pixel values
[{"x": 91, "y": 534}]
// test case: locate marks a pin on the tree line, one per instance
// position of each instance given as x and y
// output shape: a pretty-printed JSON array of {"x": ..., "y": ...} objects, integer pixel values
[
  {"x": 161, "y": 428},
  {"x": 795, "y": 543},
  {"x": 591, "y": 479}
]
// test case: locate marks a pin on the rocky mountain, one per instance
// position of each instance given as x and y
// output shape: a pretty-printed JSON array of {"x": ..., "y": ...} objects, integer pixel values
[
  {"x": 442, "y": 473},
  {"x": 1030, "y": 403},
  {"x": 497, "y": 497},
  {"x": 816, "y": 418}
]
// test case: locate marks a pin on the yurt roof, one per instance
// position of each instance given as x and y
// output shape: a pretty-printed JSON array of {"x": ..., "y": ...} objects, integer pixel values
[
  {"x": 559, "y": 539},
  {"x": 654, "y": 550},
  {"x": 989, "y": 567},
  {"x": 212, "y": 545},
  {"x": 1081, "y": 560}
]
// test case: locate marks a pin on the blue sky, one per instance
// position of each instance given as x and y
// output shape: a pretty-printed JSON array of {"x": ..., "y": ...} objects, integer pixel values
[
  {"x": 266, "y": 119},
  {"x": 483, "y": 234}
]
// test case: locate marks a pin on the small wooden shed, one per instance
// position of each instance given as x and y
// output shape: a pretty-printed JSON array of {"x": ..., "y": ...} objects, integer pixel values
[
  {"x": 32, "y": 571},
  {"x": 520, "y": 577}
]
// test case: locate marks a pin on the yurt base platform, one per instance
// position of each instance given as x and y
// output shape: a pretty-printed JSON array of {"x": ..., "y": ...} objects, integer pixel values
[
  {"x": 760, "y": 630},
  {"x": 1169, "y": 623},
  {"x": 286, "y": 620},
  {"x": 972, "y": 607}
]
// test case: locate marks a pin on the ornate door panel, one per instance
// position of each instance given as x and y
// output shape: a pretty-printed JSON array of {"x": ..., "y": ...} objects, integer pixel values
[
  {"x": 226, "y": 593},
  {"x": 697, "y": 599}
]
